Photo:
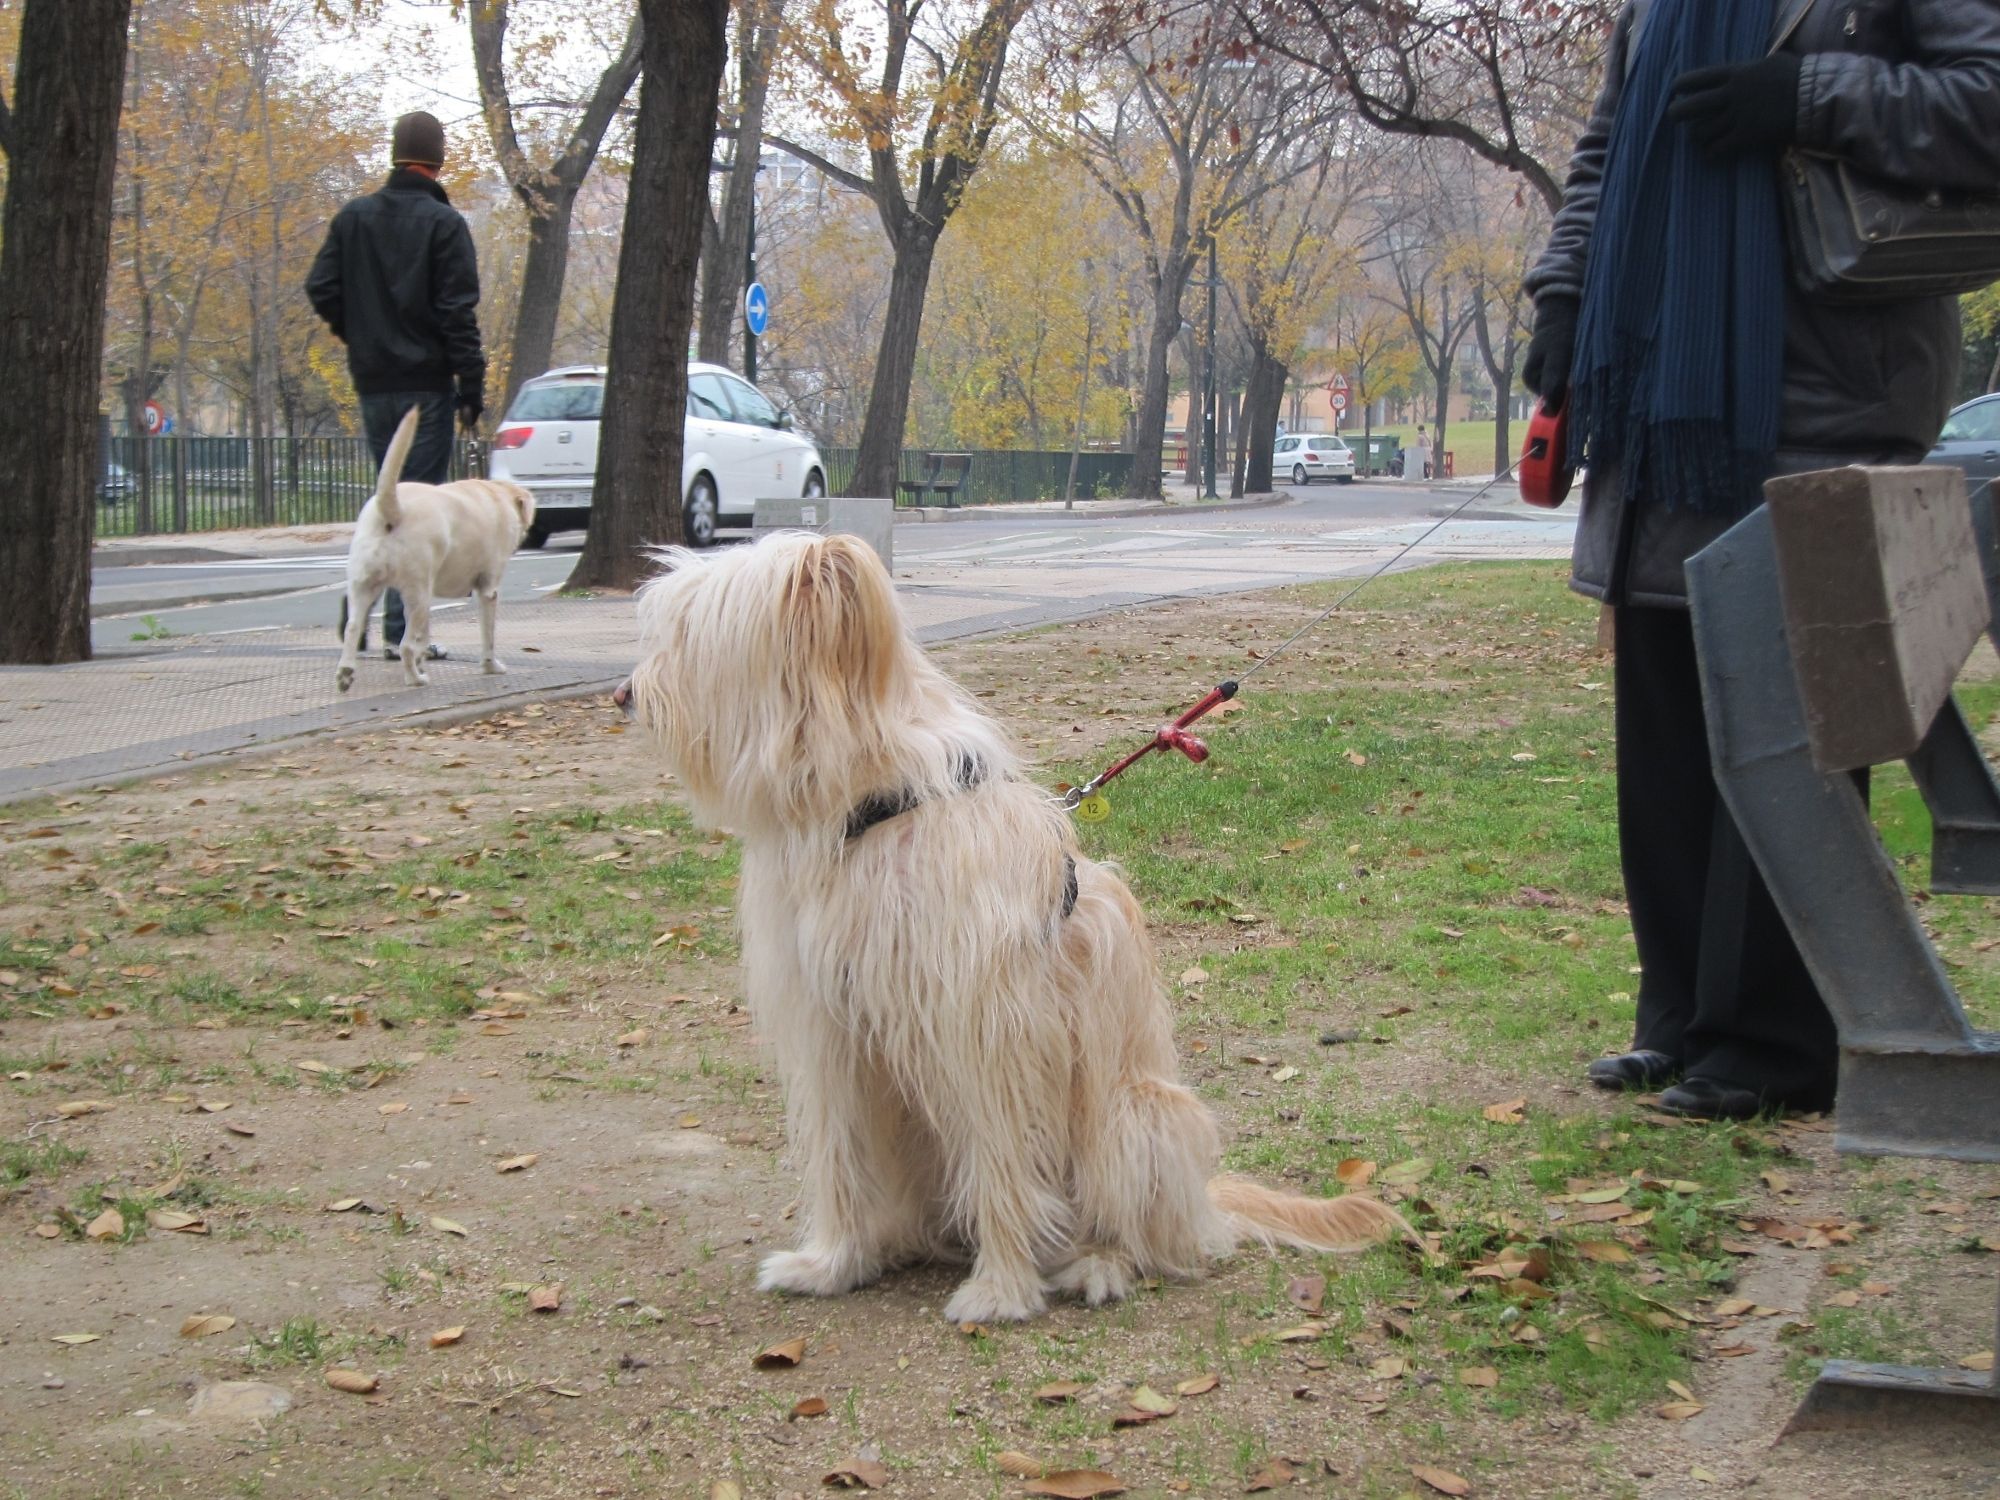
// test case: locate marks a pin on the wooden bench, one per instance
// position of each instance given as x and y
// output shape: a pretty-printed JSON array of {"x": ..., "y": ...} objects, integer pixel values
[{"x": 943, "y": 474}]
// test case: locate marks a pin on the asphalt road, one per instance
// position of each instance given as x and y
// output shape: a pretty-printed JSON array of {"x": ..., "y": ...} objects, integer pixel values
[{"x": 135, "y": 602}]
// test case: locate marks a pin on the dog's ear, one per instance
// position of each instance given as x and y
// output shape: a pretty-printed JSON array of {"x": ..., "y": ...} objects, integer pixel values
[
  {"x": 841, "y": 620},
  {"x": 523, "y": 503}
]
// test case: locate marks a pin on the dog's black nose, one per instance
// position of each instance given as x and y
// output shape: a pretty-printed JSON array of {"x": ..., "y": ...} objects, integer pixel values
[{"x": 621, "y": 696}]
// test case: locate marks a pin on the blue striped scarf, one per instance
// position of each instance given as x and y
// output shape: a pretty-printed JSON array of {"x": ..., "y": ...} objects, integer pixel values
[{"x": 1681, "y": 338}]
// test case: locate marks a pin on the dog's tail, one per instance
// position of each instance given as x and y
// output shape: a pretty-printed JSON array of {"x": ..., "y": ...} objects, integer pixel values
[
  {"x": 1256, "y": 1212},
  {"x": 386, "y": 505}
]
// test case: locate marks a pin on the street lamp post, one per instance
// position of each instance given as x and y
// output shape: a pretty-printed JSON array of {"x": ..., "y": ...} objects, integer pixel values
[{"x": 1208, "y": 394}]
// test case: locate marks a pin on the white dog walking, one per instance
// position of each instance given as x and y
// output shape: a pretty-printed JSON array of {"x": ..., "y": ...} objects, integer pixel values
[
  {"x": 977, "y": 1053},
  {"x": 429, "y": 541}
]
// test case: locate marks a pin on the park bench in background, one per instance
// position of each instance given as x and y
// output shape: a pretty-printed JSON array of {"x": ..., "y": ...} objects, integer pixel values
[
  {"x": 943, "y": 474},
  {"x": 1830, "y": 625}
]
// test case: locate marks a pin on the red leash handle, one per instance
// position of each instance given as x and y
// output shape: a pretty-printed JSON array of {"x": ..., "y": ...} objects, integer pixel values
[
  {"x": 1544, "y": 470},
  {"x": 1172, "y": 736}
]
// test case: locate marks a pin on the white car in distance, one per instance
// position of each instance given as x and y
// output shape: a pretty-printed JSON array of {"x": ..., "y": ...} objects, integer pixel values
[
  {"x": 738, "y": 447},
  {"x": 1307, "y": 456}
]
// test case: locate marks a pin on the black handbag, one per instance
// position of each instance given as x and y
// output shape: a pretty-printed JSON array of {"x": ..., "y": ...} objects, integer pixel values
[{"x": 1858, "y": 238}]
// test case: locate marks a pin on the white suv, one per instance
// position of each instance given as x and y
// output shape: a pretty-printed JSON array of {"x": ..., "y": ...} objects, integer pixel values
[
  {"x": 1307, "y": 456},
  {"x": 738, "y": 447}
]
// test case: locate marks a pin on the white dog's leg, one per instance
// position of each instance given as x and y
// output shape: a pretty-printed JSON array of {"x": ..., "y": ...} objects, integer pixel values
[
  {"x": 416, "y": 636},
  {"x": 360, "y": 600},
  {"x": 489, "y": 609},
  {"x": 995, "y": 1149},
  {"x": 1097, "y": 1276},
  {"x": 861, "y": 1206}
]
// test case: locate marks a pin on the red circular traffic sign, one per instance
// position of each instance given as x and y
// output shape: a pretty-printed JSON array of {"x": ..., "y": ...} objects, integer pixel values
[{"x": 155, "y": 417}]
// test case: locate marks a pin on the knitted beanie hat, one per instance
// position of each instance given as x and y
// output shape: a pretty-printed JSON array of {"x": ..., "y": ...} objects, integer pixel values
[{"x": 418, "y": 138}]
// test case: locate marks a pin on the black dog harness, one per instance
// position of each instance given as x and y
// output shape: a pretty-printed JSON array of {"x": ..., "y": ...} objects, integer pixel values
[{"x": 971, "y": 770}]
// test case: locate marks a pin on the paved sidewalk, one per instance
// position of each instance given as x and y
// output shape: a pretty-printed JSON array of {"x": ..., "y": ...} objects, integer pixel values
[{"x": 156, "y": 711}]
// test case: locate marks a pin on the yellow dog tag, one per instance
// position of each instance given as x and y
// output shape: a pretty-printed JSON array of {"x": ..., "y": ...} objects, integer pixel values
[{"x": 1094, "y": 809}]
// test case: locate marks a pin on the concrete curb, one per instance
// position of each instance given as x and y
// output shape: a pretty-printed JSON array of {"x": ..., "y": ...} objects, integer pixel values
[{"x": 117, "y": 609}]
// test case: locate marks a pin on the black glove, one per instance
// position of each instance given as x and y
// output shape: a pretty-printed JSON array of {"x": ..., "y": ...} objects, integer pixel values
[
  {"x": 1552, "y": 346},
  {"x": 471, "y": 402},
  {"x": 1742, "y": 107}
]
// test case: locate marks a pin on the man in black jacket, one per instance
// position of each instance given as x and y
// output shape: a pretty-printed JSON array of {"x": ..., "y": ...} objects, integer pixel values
[
  {"x": 398, "y": 283},
  {"x": 1665, "y": 310}
]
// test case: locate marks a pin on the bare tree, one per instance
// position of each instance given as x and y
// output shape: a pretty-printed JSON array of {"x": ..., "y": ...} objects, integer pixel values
[
  {"x": 548, "y": 191},
  {"x": 1510, "y": 80},
  {"x": 638, "y": 486},
  {"x": 950, "y": 110},
  {"x": 61, "y": 137},
  {"x": 725, "y": 248},
  {"x": 1221, "y": 123},
  {"x": 1428, "y": 285}
]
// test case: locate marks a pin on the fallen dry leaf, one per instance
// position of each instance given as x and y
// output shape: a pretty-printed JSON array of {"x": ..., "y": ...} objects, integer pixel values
[
  {"x": 106, "y": 1226},
  {"x": 342, "y": 1205},
  {"x": 1508, "y": 1112},
  {"x": 545, "y": 1298},
  {"x": 1285, "y": 1075},
  {"x": 1307, "y": 1293},
  {"x": 1680, "y": 1411},
  {"x": 633, "y": 1038},
  {"x": 811, "y": 1406},
  {"x": 1058, "y": 1391},
  {"x": 392, "y": 1109},
  {"x": 1194, "y": 976},
  {"x": 352, "y": 1381},
  {"x": 449, "y": 1226},
  {"x": 1605, "y": 1252},
  {"x": 1076, "y": 1484},
  {"x": 1389, "y": 1367},
  {"x": 75, "y": 1338},
  {"x": 205, "y": 1325},
  {"x": 779, "y": 1356},
  {"x": 1018, "y": 1464},
  {"x": 447, "y": 1336},
  {"x": 237, "y": 1127},
  {"x": 518, "y": 1163},
  {"x": 856, "y": 1474},
  {"x": 1442, "y": 1480},
  {"x": 1274, "y": 1475},
  {"x": 1354, "y": 1172},
  {"x": 1983, "y": 1360},
  {"x": 722, "y": 1489},
  {"x": 1149, "y": 1400},
  {"x": 1404, "y": 1173},
  {"x": 79, "y": 1107},
  {"x": 175, "y": 1221},
  {"x": 1482, "y": 1377},
  {"x": 1200, "y": 1385}
]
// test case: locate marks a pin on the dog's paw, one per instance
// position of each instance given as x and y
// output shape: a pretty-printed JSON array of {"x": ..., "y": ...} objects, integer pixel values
[
  {"x": 416, "y": 676},
  {"x": 807, "y": 1273},
  {"x": 1097, "y": 1279},
  {"x": 979, "y": 1300},
  {"x": 343, "y": 679},
  {"x": 493, "y": 667}
]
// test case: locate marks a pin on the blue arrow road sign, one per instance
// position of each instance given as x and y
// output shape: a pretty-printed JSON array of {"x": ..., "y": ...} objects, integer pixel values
[{"x": 757, "y": 308}]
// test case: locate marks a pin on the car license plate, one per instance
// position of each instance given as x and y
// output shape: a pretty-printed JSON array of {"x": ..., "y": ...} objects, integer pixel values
[{"x": 550, "y": 499}]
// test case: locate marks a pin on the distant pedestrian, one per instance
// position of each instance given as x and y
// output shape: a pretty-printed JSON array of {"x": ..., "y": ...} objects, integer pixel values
[{"x": 398, "y": 282}]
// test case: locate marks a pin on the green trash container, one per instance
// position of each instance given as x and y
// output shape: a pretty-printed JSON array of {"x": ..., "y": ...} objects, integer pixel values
[{"x": 1373, "y": 455}]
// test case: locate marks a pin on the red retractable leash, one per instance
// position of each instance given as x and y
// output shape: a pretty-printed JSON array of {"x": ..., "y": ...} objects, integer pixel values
[
  {"x": 1544, "y": 467},
  {"x": 1545, "y": 447}
]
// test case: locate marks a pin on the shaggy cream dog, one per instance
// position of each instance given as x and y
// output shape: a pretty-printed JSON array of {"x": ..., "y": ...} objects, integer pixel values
[
  {"x": 976, "y": 1052},
  {"x": 428, "y": 541}
]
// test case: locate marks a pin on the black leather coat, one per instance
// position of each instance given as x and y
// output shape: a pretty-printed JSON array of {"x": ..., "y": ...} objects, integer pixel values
[
  {"x": 398, "y": 283},
  {"x": 1907, "y": 89}
]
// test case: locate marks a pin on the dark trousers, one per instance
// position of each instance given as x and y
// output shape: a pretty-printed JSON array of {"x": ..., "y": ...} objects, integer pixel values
[
  {"x": 429, "y": 461},
  {"x": 1722, "y": 987}
]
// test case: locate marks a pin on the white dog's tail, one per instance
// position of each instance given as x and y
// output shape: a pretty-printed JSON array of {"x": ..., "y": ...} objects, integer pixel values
[
  {"x": 1256, "y": 1212},
  {"x": 392, "y": 470}
]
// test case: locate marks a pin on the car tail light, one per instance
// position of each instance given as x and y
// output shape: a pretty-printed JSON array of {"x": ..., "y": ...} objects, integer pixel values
[
  {"x": 512, "y": 437},
  {"x": 1311, "y": 457}
]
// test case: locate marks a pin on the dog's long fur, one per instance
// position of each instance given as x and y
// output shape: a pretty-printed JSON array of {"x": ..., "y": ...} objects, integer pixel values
[
  {"x": 966, "y": 1068},
  {"x": 428, "y": 541}
]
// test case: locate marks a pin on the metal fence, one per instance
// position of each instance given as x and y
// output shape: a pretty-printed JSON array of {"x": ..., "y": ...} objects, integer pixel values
[
  {"x": 165, "y": 485},
  {"x": 178, "y": 484}
]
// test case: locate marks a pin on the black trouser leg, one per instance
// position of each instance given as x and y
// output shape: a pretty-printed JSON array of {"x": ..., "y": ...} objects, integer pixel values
[
  {"x": 1723, "y": 987},
  {"x": 1666, "y": 811}
]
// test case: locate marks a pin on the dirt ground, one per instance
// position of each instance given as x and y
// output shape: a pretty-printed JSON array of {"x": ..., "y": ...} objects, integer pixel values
[{"x": 349, "y": 1193}]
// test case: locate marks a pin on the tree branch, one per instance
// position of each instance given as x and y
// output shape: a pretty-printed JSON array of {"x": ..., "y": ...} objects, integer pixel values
[{"x": 612, "y": 87}]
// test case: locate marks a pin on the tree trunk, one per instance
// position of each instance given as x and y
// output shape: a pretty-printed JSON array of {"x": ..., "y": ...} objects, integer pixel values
[
  {"x": 878, "y": 461},
  {"x": 723, "y": 272},
  {"x": 1502, "y": 420},
  {"x": 1149, "y": 437},
  {"x": 1443, "y": 414},
  {"x": 542, "y": 277},
  {"x": 55, "y": 264},
  {"x": 1082, "y": 402},
  {"x": 1263, "y": 399},
  {"x": 638, "y": 491}
]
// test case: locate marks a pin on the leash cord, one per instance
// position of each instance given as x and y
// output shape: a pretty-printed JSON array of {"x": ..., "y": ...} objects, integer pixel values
[{"x": 1174, "y": 736}]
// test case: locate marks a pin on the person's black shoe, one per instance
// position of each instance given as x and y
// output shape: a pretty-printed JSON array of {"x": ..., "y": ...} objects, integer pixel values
[
  {"x": 1712, "y": 1099},
  {"x": 1634, "y": 1070},
  {"x": 395, "y": 653}
]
